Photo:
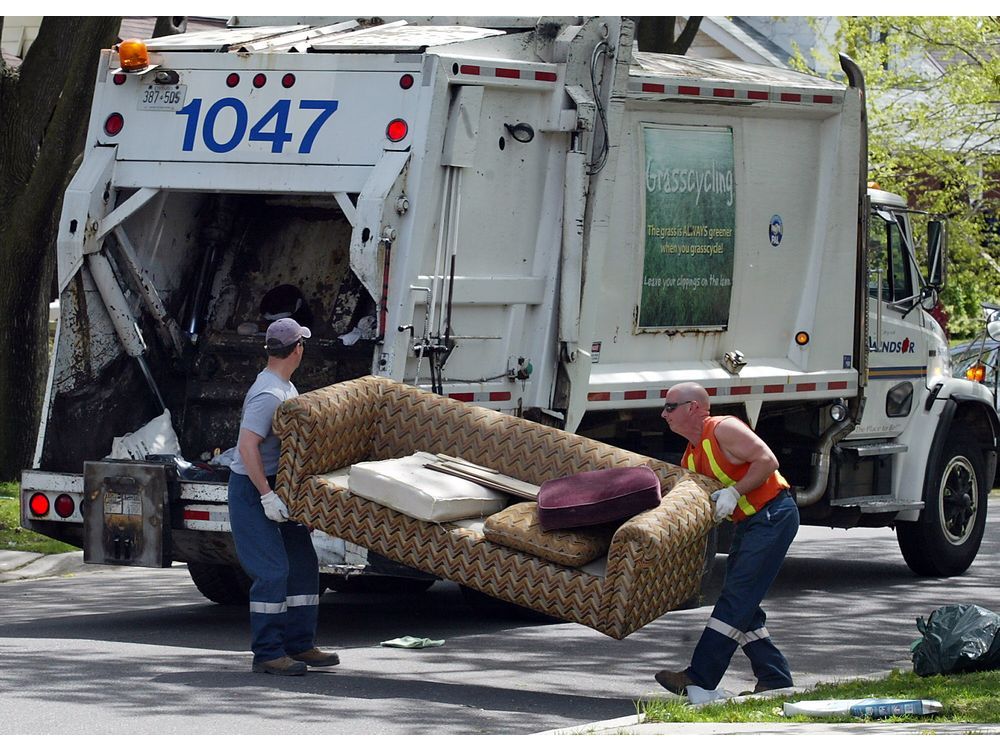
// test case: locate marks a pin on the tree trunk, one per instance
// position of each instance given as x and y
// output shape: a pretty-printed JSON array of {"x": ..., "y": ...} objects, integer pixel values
[
  {"x": 43, "y": 120},
  {"x": 657, "y": 34}
]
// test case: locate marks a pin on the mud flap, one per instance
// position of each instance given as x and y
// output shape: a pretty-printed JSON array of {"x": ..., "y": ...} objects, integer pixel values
[{"x": 126, "y": 514}]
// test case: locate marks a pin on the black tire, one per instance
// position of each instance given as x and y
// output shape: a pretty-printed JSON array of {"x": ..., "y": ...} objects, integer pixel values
[
  {"x": 374, "y": 584},
  {"x": 222, "y": 584},
  {"x": 945, "y": 539}
]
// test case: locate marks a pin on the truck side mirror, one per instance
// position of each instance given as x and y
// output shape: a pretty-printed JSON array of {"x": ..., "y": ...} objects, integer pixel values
[
  {"x": 993, "y": 325},
  {"x": 936, "y": 253},
  {"x": 993, "y": 329}
]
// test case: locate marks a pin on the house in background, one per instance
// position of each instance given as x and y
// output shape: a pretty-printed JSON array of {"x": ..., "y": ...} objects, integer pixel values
[{"x": 19, "y": 32}]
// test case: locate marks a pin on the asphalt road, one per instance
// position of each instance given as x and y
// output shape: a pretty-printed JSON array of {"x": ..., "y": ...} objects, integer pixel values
[{"x": 127, "y": 651}]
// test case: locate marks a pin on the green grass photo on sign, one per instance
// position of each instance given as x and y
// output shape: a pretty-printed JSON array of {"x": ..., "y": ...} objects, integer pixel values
[{"x": 689, "y": 229}]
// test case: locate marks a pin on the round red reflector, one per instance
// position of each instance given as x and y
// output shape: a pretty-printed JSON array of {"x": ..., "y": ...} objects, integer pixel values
[
  {"x": 114, "y": 124},
  {"x": 406, "y": 81},
  {"x": 259, "y": 80},
  {"x": 64, "y": 506},
  {"x": 288, "y": 80},
  {"x": 396, "y": 130},
  {"x": 119, "y": 78},
  {"x": 232, "y": 80},
  {"x": 39, "y": 504}
]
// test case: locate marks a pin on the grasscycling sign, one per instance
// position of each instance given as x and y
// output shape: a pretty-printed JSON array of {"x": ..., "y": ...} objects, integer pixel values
[{"x": 690, "y": 221}]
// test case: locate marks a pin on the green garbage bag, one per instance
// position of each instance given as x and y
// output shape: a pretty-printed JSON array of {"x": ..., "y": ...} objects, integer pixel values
[{"x": 957, "y": 638}]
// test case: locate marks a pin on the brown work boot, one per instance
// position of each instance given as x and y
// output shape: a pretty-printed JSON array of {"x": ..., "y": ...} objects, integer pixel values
[
  {"x": 281, "y": 666},
  {"x": 675, "y": 682},
  {"x": 316, "y": 658}
]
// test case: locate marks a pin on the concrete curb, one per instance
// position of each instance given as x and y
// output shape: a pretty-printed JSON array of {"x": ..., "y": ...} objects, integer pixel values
[
  {"x": 20, "y": 566},
  {"x": 631, "y": 726},
  {"x": 12, "y": 560}
]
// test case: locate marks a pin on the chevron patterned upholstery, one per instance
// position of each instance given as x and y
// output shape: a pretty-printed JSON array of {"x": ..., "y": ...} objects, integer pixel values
[{"x": 655, "y": 560}]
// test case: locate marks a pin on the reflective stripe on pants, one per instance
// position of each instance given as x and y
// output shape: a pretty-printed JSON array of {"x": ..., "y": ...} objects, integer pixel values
[{"x": 734, "y": 633}]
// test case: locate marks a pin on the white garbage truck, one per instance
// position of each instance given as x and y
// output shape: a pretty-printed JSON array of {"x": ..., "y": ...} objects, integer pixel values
[{"x": 527, "y": 214}]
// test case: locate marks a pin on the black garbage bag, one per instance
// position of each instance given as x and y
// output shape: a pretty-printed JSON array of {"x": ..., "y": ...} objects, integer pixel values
[{"x": 957, "y": 638}]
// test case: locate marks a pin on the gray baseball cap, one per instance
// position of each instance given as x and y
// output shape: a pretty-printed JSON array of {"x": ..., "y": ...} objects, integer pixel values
[{"x": 284, "y": 332}]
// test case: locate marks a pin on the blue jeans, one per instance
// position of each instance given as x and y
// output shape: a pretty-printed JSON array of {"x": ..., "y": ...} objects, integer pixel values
[
  {"x": 757, "y": 552},
  {"x": 279, "y": 557}
]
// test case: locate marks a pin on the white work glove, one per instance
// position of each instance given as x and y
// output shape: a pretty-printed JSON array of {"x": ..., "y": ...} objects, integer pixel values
[
  {"x": 725, "y": 502},
  {"x": 273, "y": 507}
]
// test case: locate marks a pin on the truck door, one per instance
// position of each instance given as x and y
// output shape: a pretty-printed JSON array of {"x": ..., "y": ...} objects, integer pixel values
[{"x": 897, "y": 342}]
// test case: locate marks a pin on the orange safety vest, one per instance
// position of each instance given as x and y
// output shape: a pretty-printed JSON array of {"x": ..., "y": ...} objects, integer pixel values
[{"x": 709, "y": 459}]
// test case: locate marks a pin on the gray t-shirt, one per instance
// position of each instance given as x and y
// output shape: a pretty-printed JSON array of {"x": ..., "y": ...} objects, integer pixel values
[{"x": 261, "y": 401}]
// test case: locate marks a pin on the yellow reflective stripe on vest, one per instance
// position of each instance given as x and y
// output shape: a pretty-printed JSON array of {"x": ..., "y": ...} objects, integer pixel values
[
  {"x": 743, "y": 504},
  {"x": 691, "y": 464},
  {"x": 706, "y": 446}
]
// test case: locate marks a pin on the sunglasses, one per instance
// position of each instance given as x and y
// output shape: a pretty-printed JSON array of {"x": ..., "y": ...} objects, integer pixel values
[{"x": 670, "y": 406}]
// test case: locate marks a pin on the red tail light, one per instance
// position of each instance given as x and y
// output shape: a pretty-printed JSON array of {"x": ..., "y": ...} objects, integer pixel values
[
  {"x": 114, "y": 124},
  {"x": 397, "y": 130},
  {"x": 288, "y": 80},
  {"x": 406, "y": 81},
  {"x": 39, "y": 504},
  {"x": 259, "y": 80},
  {"x": 119, "y": 78},
  {"x": 64, "y": 506},
  {"x": 232, "y": 80}
]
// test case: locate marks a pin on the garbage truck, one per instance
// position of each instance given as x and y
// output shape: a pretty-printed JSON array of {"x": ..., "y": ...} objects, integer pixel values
[{"x": 531, "y": 215}]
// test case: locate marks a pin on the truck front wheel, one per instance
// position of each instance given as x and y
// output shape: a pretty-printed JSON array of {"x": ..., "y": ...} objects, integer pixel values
[
  {"x": 223, "y": 584},
  {"x": 945, "y": 539}
]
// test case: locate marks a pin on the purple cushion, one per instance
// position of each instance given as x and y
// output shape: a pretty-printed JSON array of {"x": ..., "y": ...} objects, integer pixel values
[{"x": 594, "y": 497}]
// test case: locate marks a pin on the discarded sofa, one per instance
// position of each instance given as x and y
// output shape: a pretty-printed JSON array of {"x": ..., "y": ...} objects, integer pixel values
[{"x": 655, "y": 559}]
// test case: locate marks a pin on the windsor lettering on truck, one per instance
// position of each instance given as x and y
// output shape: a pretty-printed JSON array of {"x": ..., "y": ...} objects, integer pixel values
[
  {"x": 689, "y": 228},
  {"x": 225, "y": 124}
]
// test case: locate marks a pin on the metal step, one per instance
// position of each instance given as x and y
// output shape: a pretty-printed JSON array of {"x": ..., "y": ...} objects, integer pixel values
[
  {"x": 874, "y": 448},
  {"x": 876, "y": 503}
]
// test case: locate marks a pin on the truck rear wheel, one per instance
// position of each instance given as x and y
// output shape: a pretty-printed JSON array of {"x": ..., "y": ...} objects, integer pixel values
[
  {"x": 222, "y": 584},
  {"x": 945, "y": 539}
]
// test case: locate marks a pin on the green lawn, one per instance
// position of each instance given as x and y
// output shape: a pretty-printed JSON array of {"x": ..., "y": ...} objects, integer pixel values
[
  {"x": 12, "y": 536},
  {"x": 966, "y": 698}
]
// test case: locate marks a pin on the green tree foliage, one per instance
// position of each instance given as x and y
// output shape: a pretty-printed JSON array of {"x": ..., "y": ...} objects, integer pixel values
[{"x": 934, "y": 122}]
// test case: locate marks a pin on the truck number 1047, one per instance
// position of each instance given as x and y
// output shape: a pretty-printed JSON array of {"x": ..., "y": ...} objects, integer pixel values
[{"x": 271, "y": 128}]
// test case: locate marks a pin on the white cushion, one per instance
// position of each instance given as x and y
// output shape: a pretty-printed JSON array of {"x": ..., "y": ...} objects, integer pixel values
[
  {"x": 405, "y": 485},
  {"x": 338, "y": 478}
]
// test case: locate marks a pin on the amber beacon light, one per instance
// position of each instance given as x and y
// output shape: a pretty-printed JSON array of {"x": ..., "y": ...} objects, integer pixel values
[
  {"x": 977, "y": 373},
  {"x": 133, "y": 55}
]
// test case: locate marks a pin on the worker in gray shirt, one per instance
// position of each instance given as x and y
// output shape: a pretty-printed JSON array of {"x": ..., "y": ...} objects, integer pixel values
[{"x": 276, "y": 553}]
